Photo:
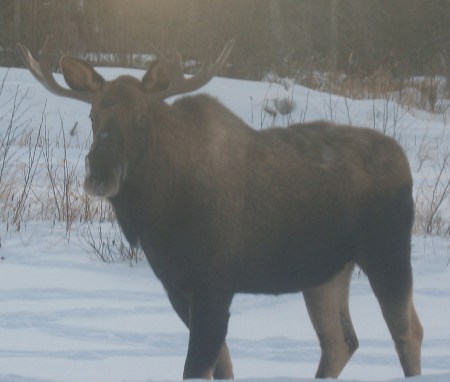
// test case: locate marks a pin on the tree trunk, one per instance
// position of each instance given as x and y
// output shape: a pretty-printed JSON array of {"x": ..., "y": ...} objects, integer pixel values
[
  {"x": 278, "y": 41},
  {"x": 334, "y": 40},
  {"x": 18, "y": 19}
]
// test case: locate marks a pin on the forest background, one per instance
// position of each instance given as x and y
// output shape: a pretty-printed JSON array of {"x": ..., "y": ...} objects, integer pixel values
[{"x": 398, "y": 38}]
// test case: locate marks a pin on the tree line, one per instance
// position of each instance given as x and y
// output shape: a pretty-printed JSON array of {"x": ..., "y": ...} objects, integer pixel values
[{"x": 403, "y": 37}]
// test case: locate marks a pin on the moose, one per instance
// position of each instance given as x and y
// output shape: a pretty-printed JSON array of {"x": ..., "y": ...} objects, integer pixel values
[{"x": 220, "y": 208}]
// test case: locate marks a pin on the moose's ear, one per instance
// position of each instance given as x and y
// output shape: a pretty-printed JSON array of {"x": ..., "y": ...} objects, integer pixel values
[
  {"x": 156, "y": 78},
  {"x": 80, "y": 75}
]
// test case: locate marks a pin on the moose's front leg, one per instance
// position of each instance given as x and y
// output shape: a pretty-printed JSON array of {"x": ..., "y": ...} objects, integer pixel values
[{"x": 208, "y": 329}]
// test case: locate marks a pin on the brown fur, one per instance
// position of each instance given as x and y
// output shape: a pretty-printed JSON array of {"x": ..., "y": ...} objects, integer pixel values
[{"x": 220, "y": 209}]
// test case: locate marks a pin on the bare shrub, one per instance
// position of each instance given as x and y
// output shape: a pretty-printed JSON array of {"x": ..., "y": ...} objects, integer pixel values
[
  {"x": 279, "y": 107},
  {"x": 63, "y": 201},
  {"x": 29, "y": 171},
  {"x": 107, "y": 243},
  {"x": 12, "y": 113},
  {"x": 386, "y": 119},
  {"x": 432, "y": 198}
]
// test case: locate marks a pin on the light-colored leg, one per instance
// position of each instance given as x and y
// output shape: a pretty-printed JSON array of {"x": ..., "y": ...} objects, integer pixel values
[
  {"x": 391, "y": 281},
  {"x": 328, "y": 309},
  {"x": 407, "y": 333},
  {"x": 224, "y": 367}
]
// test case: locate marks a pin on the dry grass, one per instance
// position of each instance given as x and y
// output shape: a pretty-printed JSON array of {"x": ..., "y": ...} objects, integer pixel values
[{"x": 429, "y": 93}]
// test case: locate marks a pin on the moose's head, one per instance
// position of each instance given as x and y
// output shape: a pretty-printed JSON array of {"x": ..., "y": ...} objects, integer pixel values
[{"x": 121, "y": 108}]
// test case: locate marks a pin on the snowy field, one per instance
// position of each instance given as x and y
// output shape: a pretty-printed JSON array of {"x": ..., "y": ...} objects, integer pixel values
[{"x": 66, "y": 316}]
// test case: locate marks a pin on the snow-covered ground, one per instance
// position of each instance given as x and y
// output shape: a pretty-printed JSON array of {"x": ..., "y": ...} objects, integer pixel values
[{"x": 66, "y": 316}]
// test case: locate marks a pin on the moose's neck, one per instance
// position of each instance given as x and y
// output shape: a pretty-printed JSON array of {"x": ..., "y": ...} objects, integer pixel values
[{"x": 155, "y": 191}]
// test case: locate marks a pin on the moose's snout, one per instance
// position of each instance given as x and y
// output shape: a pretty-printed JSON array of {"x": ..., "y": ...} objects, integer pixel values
[
  {"x": 103, "y": 174},
  {"x": 96, "y": 187}
]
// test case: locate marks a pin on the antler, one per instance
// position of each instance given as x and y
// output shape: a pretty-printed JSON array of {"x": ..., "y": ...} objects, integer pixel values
[
  {"x": 178, "y": 83},
  {"x": 43, "y": 73}
]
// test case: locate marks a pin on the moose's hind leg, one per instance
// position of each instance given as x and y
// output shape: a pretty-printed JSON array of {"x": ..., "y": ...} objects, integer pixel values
[
  {"x": 328, "y": 309},
  {"x": 394, "y": 293},
  {"x": 387, "y": 264}
]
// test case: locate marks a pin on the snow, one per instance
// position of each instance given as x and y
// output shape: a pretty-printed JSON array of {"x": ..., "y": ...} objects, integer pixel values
[{"x": 66, "y": 316}]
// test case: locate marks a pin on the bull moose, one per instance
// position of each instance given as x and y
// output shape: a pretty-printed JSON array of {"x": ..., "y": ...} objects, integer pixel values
[{"x": 220, "y": 208}]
